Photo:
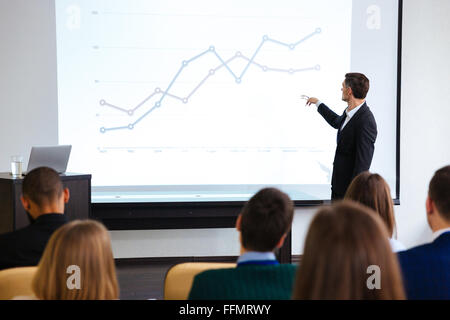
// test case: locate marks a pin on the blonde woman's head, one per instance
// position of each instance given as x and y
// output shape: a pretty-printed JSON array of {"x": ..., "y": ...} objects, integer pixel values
[{"x": 77, "y": 264}]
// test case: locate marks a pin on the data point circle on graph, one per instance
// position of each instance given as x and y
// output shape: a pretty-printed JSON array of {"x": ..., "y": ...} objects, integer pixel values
[
  {"x": 291, "y": 71},
  {"x": 238, "y": 80},
  {"x": 264, "y": 68},
  {"x": 211, "y": 48},
  {"x": 317, "y": 67},
  {"x": 131, "y": 126},
  {"x": 102, "y": 102},
  {"x": 130, "y": 112},
  {"x": 292, "y": 46},
  {"x": 238, "y": 54},
  {"x": 185, "y": 100},
  {"x": 265, "y": 38},
  {"x": 185, "y": 63},
  {"x": 318, "y": 30},
  {"x": 157, "y": 90},
  {"x": 102, "y": 130},
  {"x": 211, "y": 72},
  {"x": 158, "y": 104}
]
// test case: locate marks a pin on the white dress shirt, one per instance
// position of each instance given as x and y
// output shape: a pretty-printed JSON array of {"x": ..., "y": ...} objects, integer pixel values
[
  {"x": 350, "y": 114},
  {"x": 396, "y": 245}
]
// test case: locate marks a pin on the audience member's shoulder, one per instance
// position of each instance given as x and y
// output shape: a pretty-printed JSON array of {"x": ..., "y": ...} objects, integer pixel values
[
  {"x": 215, "y": 273},
  {"x": 417, "y": 251},
  {"x": 11, "y": 236},
  {"x": 444, "y": 237},
  {"x": 286, "y": 267},
  {"x": 4, "y": 236},
  {"x": 239, "y": 271},
  {"x": 427, "y": 247},
  {"x": 291, "y": 266},
  {"x": 253, "y": 270},
  {"x": 55, "y": 221}
]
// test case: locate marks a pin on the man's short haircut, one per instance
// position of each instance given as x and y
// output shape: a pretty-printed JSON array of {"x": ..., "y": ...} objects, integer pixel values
[
  {"x": 439, "y": 191},
  {"x": 359, "y": 84},
  {"x": 265, "y": 218},
  {"x": 42, "y": 186}
]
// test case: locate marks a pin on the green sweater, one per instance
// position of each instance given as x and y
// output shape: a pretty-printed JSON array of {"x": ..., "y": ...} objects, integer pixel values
[{"x": 246, "y": 282}]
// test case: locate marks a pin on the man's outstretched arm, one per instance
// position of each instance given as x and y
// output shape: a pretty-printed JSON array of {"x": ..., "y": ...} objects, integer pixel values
[{"x": 329, "y": 115}]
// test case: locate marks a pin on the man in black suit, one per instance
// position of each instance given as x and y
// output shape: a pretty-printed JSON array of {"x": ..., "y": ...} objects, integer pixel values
[
  {"x": 357, "y": 132},
  {"x": 43, "y": 198}
]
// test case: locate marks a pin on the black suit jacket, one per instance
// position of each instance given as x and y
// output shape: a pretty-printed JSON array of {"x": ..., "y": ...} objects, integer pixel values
[
  {"x": 24, "y": 247},
  {"x": 355, "y": 146}
]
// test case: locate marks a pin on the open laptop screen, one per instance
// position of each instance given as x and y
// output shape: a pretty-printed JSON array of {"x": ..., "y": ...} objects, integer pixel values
[{"x": 55, "y": 157}]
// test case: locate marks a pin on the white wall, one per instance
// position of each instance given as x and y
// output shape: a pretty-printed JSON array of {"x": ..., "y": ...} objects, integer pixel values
[
  {"x": 28, "y": 109},
  {"x": 28, "y": 95},
  {"x": 196, "y": 242},
  {"x": 425, "y": 129}
]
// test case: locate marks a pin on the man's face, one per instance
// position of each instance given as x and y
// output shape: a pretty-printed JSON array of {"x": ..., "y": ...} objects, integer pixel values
[{"x": 345, "y": 92}]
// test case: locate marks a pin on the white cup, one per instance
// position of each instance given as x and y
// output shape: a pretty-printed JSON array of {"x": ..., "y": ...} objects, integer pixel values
[{"x": 16, "y": 166}]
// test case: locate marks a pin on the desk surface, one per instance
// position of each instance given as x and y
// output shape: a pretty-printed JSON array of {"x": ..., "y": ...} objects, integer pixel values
[{"x": 64, "y": 176}]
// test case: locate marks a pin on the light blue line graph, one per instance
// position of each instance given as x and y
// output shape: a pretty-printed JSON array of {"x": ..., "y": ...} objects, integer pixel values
[
  {"x": 251, "y": 60},
  {"x": 185, "y": 63}
]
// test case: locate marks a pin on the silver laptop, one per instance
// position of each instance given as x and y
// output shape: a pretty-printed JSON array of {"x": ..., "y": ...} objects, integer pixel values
[{"x": 55, "y": 157}]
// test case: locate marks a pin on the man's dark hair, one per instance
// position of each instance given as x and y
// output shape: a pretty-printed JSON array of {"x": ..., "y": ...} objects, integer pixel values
[
  {"x": 265, "y": 218},
  {"x": 359, "y": 84},
  {"x": 439, "y": 191},
  {"x": 42, "y": 186}
]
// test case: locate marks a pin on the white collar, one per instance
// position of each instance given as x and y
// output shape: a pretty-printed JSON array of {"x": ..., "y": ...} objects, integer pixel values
[
  {"x": 353, "y": 111},
  {"x": 438, "y": 233},
  {"x": 256, "y": 256}
]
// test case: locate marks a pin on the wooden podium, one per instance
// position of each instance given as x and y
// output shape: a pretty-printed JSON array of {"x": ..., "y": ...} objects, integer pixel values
[{"x": 12, "y": 213}]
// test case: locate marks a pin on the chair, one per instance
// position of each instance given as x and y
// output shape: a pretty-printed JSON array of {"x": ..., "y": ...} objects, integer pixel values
[
  {"x": 179, "y": 278},
  {"x": 16, "y": 282}
]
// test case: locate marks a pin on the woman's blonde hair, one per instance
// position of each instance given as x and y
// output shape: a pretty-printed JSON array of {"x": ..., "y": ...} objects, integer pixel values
[{"x": 85, "y": 244}]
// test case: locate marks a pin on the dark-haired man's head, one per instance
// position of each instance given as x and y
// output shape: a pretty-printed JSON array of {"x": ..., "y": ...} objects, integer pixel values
[
  {"x": 43, "y": 192},
  {"x": 438, "y": 200},
  {"x": 265, "y": 220},
  {"x": 355, "y": 86}
]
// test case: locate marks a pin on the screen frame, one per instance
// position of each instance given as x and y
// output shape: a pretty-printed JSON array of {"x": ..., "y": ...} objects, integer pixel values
[{"x": 218, "y": 214}]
